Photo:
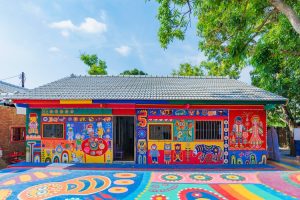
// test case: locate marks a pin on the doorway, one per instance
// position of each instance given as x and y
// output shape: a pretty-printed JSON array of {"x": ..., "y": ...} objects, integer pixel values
[{"x": 123, "y": 138}]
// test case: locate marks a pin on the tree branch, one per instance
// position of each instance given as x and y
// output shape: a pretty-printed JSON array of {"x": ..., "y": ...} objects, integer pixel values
[{"x": 288, "y": 12}]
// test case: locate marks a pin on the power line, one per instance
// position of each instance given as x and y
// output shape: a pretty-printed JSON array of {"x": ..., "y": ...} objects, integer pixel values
[{"x": 10, "y": 77}]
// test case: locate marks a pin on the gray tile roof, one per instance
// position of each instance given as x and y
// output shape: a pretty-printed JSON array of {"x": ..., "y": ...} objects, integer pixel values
[
  {"x": 10, "y": 88},
  {"x": 150, "y": 88},
  {"x": 7, "y": 90}
]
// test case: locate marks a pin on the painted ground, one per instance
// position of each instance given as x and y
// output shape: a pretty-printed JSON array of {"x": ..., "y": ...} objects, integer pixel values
[{"x": 60, "y": 182}]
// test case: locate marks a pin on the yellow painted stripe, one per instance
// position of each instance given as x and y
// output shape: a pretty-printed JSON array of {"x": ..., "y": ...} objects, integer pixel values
[
  {"x": 40, "y": 174},
  {"x": 11, "y": 182},
  {"x": 55, "y": 173},
  {"x": 244, "y": 192},
  {"x": 76, "y": 101},
  {"x": 25, "y": 178}
]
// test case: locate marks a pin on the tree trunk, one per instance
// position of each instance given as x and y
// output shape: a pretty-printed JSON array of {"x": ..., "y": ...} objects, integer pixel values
[
  {"x": 288, "y": 12},
  {"x": 290, "y": 129}
]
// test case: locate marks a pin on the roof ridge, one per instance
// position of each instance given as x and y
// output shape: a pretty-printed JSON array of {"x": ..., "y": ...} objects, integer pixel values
[{"x": 152, "y": 76}]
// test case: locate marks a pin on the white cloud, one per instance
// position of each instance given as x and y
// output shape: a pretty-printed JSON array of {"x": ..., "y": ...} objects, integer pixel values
[
  {"x": 65, "y": 25},
  {"x": 54, "y": 49},
  {"x": 123, "y": 50},
  {"x": 90, "y": 25}
]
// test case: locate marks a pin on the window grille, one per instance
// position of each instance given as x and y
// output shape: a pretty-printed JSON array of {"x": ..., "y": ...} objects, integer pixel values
[
  {"x": 53, "y": 130},
  {"x": 160, "y": 132},
  {"x": 208, "y": 130}
]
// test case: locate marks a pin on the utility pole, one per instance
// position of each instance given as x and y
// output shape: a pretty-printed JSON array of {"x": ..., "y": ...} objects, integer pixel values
[{"x": 23, "y": 79}]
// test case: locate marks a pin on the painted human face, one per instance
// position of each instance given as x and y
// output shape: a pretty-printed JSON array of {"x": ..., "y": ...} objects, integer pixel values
[{"x": 153, "y": 147}]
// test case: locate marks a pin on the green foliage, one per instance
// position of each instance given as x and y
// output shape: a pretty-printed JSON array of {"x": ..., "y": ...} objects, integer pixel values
[
  {"x": 239, "y": 33},
  {"x": 187, "y": 69},
  {"x": 276, "y": 62},
  {"x": 134, "y": 71},
  {"x": 228, "y": 30},
  {"x": 97, "y": 66}
]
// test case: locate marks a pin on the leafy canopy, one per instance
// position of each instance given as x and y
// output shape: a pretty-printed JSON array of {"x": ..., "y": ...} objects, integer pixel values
[
  {"x": 228, "y": 30},
  {"x": 96, "y": 66},
  {"x": 187, "y": 69},
  {"x": 134, "y": 71}
]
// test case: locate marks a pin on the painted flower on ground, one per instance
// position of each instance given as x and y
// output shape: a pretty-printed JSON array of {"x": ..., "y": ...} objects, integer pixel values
[
  {"x": 171, "y": 177},
  {"x": 200, "y": 177},
  {"x": 232, "y": 177}
]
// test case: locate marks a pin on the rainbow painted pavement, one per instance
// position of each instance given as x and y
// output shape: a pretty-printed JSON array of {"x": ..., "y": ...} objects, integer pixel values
[{"x": 60, "y": 182}]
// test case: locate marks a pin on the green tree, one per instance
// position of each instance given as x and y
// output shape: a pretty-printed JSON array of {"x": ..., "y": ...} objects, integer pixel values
[
  {"x": 276, "y": 69},
  {"x": 187, "y": 69},
  {"x": 96, "y": 66},
  {"x": 228, "y": 30},
  {"x": 234, "y": 34},
  {"x": 134, "y": 71}
]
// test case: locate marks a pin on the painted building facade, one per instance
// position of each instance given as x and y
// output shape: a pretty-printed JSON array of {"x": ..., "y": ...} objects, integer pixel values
[{"x": 145, "y": 131}]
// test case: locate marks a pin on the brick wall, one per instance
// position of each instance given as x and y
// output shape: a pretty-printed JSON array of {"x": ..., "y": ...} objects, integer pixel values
[{"x": 8, "y": 118}]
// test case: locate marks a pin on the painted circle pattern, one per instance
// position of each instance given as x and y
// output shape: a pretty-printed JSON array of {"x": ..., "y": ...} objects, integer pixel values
[
  {"x": 117, "y": 190},
  {"x": 232, "y": 177},
  {"x": 158, "y": 197},
  {"x": 124, "y": 182},
  {"x": 124, "y": 175},
  {"x": 171, "y": 177},
  {"x": 200, "y": 177}
]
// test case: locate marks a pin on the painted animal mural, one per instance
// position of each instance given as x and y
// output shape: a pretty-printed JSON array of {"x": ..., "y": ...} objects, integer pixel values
[{"x": 202, "y": 151}]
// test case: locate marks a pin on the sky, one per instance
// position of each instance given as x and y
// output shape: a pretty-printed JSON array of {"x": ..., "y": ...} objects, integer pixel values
[{"x": 44, "y": 39}]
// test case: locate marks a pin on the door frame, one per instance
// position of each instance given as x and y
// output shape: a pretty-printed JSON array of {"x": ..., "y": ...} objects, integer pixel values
[{"x": 134, "y": 137}]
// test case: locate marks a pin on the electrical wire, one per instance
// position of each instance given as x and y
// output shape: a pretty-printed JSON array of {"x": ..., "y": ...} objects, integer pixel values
[{"x": 10, "y": 77}]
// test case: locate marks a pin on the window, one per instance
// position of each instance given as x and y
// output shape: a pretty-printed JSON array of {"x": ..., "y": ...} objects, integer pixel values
[
  {"x": 18, "y": 134},
  {"x": 160, "y": 132},
  {"x": 208, "y": 130},
  {"x": 53, "y": 130}
]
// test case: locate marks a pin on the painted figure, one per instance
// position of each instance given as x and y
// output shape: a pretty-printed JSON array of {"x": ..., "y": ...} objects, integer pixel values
[
  {"x": 178, "y": 153},
  {"x": 256, "y": 131},
  {"x": 154, "y": 154},
  {"x": 70, "y": 133},
  {"x": 79, "y": 138},
  {"x": 167, "y": 153},
  {"x": 100, "y": 130},
  {"x": 90, "y": 130},
  {"x": 33, "y": 125},
  {"x": 142, "y": 150},
  {"x": 237, "y": 131}
]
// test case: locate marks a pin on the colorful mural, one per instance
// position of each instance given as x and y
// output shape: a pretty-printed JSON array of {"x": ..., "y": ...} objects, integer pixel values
[
  {"x": 141, "y": 135},
  {"x": 248, "y": 157},
  {"x": 33, "y": 151},
  {"x": 87, "y": 139},
  {"x": 183, "y": 130},
  {"x": 33, "y": 128},
  {"x": 183, "y": 148},
  {"x": 247, "y": 130}
]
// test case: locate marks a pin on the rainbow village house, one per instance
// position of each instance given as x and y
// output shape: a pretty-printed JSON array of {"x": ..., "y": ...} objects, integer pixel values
[{"x": 147, "y": 120}]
